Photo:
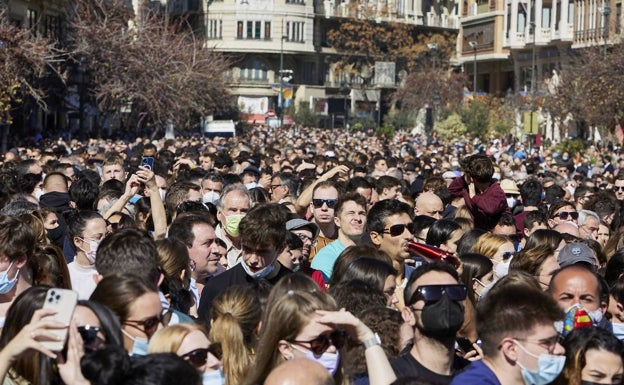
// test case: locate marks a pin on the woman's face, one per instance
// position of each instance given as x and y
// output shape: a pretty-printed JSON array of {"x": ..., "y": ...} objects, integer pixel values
[
  {"x": 602, "y": 367},
  {"x": 311, "y": 331},
  {"x": 86, "y": 320},
  {"x": 51, "y": 221},
  {"x": 603, "y": 235},
  {"x": 451, "y": 244},
  {"x": 143, "y": 318},
  {"x": 390, "y": 291},
  {"x": 507, "y": 247},
  {"x": 198, "y": 340},
  {"x": 546, "y": 270}
]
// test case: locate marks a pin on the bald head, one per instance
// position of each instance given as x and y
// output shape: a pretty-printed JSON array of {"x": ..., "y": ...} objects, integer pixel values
[
  {"x": 55, "y": 182},
  {"x": 567, "y": 228},
  {"x": 300, "y": 371},
  {"x": 429, "y": 204}
]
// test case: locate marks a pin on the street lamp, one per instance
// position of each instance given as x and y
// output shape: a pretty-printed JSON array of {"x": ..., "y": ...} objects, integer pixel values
[
  {"x": 345, "y": 90},
  {"x": 280, "y": 97},
  {"x": 605, "y": 11},
  {"x": 432, "y": 50},
  {"x": 474, "y": 46}
]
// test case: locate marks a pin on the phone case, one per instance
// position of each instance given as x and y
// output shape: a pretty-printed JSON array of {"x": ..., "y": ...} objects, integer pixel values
[
  {"x": 148, "y": 162},
  {"x": 63, "y": 302}
]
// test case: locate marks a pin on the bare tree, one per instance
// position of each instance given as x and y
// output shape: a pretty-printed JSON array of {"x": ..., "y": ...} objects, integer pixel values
[{"x": 140, "y": 65}]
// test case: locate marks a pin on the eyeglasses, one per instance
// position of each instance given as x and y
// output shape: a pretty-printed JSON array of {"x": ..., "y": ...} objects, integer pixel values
[
  {"x": 318, "y": 203},
  {"x": 90, "y": 339},
  {"x": 199, "y": 357},
  {"x": 618, "y": 188},
  {"x": 320, "y": 344},
  {"x": 304, "y": 237},
  {"x": 147, "y": 326},
  {"x": 547, "y": 343},
  {"x": 565, "y": 214},
  {"x": 508, "y": 254},
  {"x": 433, "y": 293},
  {"x": 396, "y": 230}
]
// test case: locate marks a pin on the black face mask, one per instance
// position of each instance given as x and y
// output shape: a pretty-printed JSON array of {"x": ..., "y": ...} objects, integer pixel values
[
  {"x": 56, "y": 235},
  {"x": 442, "y": 318}
]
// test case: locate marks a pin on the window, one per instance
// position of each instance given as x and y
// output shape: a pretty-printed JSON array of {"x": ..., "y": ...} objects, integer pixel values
[
  {"x": 295, "y": 2},
  {"x": 52, "y": 27},
  {"x": 253, "y": 29},
  {"x": 295, "y": 30},
  {"x": 31, "y": 19},
  {"x": 215, "y": 29},
  {"x": 254, "y": 70}
]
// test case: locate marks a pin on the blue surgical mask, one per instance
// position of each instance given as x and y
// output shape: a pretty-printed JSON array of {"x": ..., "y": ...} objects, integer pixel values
[
  {"x": 263, "y": 273},
  {"x": 549, "y": 366},
  {"x": 139, "y": 348},
  {"x": 6, "y": 284},
  {"x": 215, "y": 377},
  {"x": 330, "y": 361},
  {"x": 618, "y": 330}
]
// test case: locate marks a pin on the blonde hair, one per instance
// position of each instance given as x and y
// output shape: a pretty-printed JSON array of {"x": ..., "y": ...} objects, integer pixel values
[
  {"x": 235, "y": 316},
  {"x": 169, "y": 339},
  {"x": 488, "y": 244}
]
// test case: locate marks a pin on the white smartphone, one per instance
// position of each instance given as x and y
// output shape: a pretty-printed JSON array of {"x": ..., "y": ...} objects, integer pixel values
[{"x": 63, "y": 302}]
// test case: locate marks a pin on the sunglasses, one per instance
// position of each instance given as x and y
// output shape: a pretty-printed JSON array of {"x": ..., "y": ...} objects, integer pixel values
[
  {"x": 433, "y": 293},
  {"x": 113, "y": 225},
  {"x": 508, "y": 254},
  {"x": 564, "y": 215},
  {"x": 320, "y": 344},
  {"x": 147, "y": 326},
  {"x": 199, "y": 357},
  {"x": 90, "y": 339},
  {"x": 618, "y": 188},
  {"x": 318, "y": 203},
  {"x": 396, "y": 230}
]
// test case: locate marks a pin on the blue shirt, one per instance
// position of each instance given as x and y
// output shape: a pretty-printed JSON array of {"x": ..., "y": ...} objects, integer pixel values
[
  {"x": 326, "y": 257},
  {"x": 476, "y": 373}
]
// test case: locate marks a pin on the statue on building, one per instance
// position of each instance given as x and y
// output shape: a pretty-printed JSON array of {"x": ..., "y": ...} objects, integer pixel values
[{"x": 553, "y": 83}]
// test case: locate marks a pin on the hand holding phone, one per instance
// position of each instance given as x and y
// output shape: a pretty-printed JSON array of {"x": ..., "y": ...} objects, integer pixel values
[
  {"x": 465, "y": 344},
  {"x": 62, "y": 302}
]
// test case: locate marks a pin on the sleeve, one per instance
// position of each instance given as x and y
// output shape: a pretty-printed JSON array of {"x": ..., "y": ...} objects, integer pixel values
[{"x": 492, "y": 201}]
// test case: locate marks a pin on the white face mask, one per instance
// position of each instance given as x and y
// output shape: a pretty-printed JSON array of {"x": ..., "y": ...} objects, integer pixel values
[
  {"x": 211, "y": 197},
  {"x": 502, "y": 269},
  {"x": 93, "y": 246},
  {"x": 511, "y": 202},
  {"x": 262, "y": 273},
  {"x": 38, "y": 193}
]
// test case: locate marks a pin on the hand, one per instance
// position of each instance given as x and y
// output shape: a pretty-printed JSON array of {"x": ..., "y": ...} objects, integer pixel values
[
  {"x": 69, "y": 368},
  {"x": 265, "y": 181},
  {"x": 346, "y": 320},
  {"x": 338, "y": 170},
  {"x": 147, "y": 177},
  {"x": 132, "y": 186},
  {"x": 30, "y": 337},
  {"x": 474, "y": 355}
]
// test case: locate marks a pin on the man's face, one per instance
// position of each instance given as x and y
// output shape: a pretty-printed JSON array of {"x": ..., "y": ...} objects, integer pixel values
[
  {"x": 412, "y": 313},
  {"x": 381, "y": 165},
  {"x": 542, "y": 339},
  {"x": 618, "y": 189},
  {"x": 210, "y": 185},
  {"x": 306, "y": 237},
  {"x": 369, "y": 194},
  {"x": 563, "y": 214},
  {"x": 277, "y": 190},
  {"x": 391, "y": 193},
  {"x": 206, "y": 163},
  {"x": 257, "y": 257},
  {"x": 234, "y": 203},
  {"x": 509, "y": 231},
  {"x": 352, "y": 219},
  {"x": 576, "y": 286},
  {"x": 324, "y": 214},
  {"x": 589, "y": 230},
  {"x": 113, "y": 171},
  {"x": 394, "y": 238},
  {"x": 430, "y": 205},
  {"x": 204, "y": 251}
]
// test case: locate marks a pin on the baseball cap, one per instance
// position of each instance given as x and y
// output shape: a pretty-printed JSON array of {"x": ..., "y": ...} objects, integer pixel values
[{"x": 576, "y": 252}]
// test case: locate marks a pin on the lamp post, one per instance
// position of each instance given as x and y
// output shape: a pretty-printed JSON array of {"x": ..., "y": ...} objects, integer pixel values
[
  {"x": 280, "y": 97},
  {"x": 432, "y": 50},
  {"x": 474, "y": 46},
  {"x": 605, "y": 11},
  {"x": 345, "y": 90}
]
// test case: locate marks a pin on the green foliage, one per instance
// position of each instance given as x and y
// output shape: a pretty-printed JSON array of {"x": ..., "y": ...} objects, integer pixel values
[
  {"x": 572, "y": 146},
  {"x": 475, "y": 115},
  {"x": 305, "y": 116},
  {"x": 401, "y": 119},
  {"x": 387, "y": 131},
  {"x": 451, "y": 128},
  {"x": 358, "y": 126}
]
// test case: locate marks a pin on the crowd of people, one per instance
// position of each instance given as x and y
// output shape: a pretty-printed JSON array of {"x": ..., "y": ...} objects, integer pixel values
[{"x": 312, "y": 257}]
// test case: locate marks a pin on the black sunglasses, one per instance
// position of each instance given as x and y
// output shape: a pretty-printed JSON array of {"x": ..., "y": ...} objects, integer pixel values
[
  {"x": 113, "y": 225},
  {"x": 396, "y": 230},
  {"x": 147, "y": 326},
  {"x": 564, "y": 215},
  {"x": 90, "y": 339},
  {"x": 199, "y": 357},
  {"x": 318, "y": 203},
  {"x": 433, "y": 293},
  {"x": 618, "y": 188},
  {"x": 320, "y": 344}
]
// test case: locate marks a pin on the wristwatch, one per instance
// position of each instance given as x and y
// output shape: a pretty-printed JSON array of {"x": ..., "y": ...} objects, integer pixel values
[{"x": 373, "y": 341}]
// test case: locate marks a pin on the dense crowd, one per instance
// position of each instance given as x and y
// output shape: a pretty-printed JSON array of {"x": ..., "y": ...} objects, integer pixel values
[{"x": 311, "y": 257}]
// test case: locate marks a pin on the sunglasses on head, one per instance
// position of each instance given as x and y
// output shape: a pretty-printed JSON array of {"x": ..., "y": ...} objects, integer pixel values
[
  {"x": 318, "y": 203},
  {"x": 199, "y": 357},
  {"x": 565, "y": 214},
  {"x": 433, "y": 293},
  {"x": 320, "y": 344},
  {"x": 90, "y": 339},
  {"x": 396, "y": 230}
]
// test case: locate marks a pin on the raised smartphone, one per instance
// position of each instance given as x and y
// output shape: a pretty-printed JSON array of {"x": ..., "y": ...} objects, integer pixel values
[
  {"x": 63, "y": 302},
  {"x": 147, "y": 162}
]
